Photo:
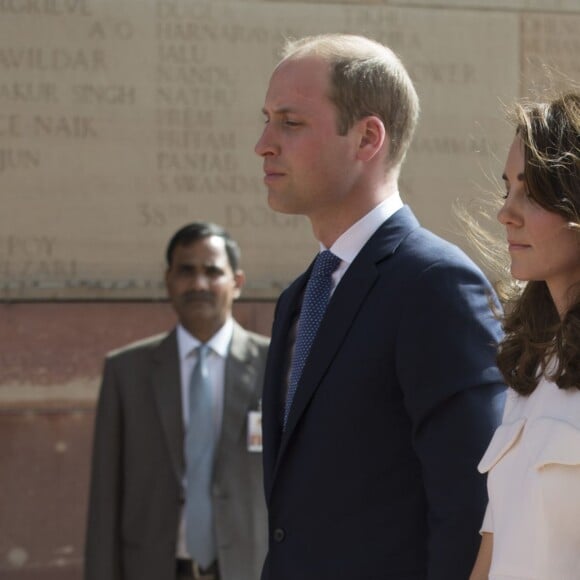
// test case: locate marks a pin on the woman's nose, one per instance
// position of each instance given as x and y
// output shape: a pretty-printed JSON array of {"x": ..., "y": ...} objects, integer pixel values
[{"x": 509, "y": 213}]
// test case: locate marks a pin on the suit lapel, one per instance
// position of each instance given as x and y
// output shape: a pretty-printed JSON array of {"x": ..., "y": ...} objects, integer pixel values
[
  {"x": 287, "y": 311},
  {"x": 240, "y": 378},
  {"x": 348, "y": 298},
  {"x": 166, "y": 382}
]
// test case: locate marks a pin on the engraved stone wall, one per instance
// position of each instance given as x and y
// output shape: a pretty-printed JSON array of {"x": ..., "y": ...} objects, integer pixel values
[{"x": 120, "y": 121}]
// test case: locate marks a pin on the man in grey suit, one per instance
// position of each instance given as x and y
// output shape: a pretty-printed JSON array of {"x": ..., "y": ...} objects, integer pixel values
[{"x": 140, "y": 525}]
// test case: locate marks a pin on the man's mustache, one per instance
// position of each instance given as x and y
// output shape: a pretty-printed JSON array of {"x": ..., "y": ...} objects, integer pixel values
[{"x": 197, "y": 296}]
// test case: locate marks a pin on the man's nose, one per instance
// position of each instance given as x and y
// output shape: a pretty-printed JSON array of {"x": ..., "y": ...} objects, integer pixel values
[
  {"x": 265, "y": 145},
  {"x": 199, "y": 282}
]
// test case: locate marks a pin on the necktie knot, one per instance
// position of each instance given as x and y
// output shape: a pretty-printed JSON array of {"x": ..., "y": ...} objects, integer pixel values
[
  {"x": 202, "y": 351},
  {"x": 326, "y": 263}
]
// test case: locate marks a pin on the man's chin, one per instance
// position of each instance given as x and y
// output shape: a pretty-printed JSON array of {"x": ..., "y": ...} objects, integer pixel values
[
  {"x": 200, "y": 324},
  {"x": 278, "y": 204}
]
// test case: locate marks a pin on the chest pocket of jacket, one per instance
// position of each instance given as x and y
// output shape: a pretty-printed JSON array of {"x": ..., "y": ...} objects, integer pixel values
[{"x": 556, "y": 444}]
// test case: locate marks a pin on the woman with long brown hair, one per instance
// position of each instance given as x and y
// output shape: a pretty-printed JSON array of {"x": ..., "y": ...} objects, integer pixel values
[{"x": 532, "y": 525}]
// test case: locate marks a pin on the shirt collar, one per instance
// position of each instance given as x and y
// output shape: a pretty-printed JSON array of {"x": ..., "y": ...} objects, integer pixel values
[
  {"x": 219, "y": 342},
  {"x": 351, "y": 242}
]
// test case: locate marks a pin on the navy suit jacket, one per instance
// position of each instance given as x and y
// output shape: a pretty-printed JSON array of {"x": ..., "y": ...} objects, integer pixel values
[{"x": 375, "y": 475}]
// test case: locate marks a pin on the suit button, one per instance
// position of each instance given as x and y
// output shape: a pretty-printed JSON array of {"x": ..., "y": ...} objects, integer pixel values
[{"x": 279, "y": 535}]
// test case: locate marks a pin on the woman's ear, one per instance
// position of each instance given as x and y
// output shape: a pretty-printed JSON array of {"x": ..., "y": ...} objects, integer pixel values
[{"x": 373, "y": 138}]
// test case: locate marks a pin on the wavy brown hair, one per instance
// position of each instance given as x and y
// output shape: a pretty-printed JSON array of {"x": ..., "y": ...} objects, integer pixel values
[{"x": 535, "y": 333}]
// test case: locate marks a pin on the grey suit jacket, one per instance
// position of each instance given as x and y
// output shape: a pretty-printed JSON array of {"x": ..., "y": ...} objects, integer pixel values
[{"x": 138, "y": 465}]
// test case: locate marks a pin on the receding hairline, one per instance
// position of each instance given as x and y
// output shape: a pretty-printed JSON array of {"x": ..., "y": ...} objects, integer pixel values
[
  {"x": 366, "y": 78},
  {"x": 334, "y": 46}
]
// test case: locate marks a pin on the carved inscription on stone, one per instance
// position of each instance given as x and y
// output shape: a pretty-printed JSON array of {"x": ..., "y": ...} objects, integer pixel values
[
  {"x": 210, "y": 78},
  {"x": 464, "y": 65},
  {"x": 121, "y": 121}
]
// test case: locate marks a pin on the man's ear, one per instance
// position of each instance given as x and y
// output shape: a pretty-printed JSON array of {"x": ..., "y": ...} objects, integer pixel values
[
  {"x": 239, "y": 280},
  {"x": 373, "y": 138}
]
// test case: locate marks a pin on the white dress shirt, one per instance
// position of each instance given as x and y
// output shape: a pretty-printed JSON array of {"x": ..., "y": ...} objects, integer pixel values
[{"x": 351, "y": 242}]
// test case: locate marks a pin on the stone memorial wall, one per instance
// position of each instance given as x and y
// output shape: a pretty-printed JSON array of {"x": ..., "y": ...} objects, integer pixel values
[{"x": 122, "y": 120}]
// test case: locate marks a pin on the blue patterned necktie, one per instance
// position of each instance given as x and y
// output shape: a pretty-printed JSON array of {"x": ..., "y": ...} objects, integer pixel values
[
  {"x": 199, "y": 453},
  {"x": 314, "y": 304}
]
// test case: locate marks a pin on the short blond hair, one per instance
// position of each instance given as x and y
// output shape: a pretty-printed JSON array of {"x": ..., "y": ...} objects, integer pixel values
[{"x": 366, "y": 78}]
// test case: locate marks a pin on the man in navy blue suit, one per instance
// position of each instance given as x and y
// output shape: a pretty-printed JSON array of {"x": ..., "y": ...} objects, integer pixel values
[{"x": 370, "y": 448}]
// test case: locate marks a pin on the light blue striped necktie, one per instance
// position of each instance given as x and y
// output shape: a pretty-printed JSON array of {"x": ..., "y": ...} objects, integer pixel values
[
  {"x": 199, "y": 454},
  {"x": 316, "y": 297}
]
